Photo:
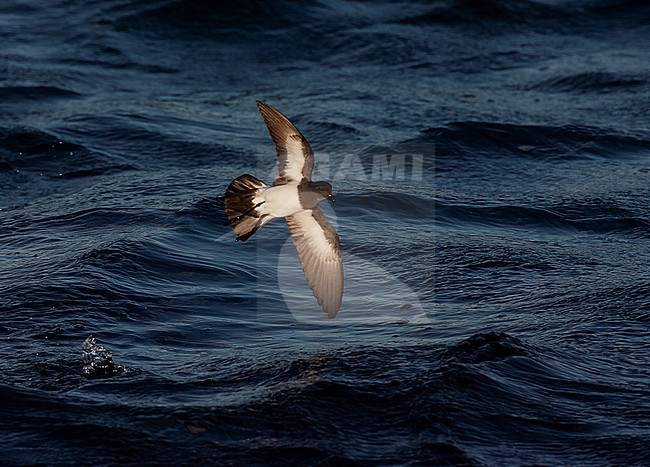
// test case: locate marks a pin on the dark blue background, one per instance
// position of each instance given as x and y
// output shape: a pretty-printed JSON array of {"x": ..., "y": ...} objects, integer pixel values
[{"x": 497, "y": 301}]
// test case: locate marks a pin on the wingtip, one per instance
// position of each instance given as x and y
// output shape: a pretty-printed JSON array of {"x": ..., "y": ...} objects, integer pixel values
[
  {"x": 264, "y": 108},
  {"x": 331, "y": 312},
  {"x": 330, "y": 309}
]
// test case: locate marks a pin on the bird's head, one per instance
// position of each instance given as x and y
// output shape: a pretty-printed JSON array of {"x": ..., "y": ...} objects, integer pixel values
[{"x": 322, "y": 189}]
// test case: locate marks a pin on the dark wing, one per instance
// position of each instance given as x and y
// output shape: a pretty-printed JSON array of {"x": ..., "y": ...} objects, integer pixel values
[
  {"x": 295, "y": 157},
  {"x": 319, "y": 251}
]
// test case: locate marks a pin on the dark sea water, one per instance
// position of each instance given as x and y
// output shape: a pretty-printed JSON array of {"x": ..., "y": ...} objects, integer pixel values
[{"x": 491, "y": 166}]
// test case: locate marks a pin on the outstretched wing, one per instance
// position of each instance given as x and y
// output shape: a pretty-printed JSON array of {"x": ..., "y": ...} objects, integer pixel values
[
  {"x": 295, "y": 157},
  {"x": 319, "y": 251}
]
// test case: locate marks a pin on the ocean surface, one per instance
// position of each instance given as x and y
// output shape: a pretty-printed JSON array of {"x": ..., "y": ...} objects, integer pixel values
[{"x": 491, "y": 167}]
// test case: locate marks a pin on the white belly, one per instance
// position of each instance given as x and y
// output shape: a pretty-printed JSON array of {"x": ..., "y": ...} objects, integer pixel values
[{"x": 279, "y": 201}]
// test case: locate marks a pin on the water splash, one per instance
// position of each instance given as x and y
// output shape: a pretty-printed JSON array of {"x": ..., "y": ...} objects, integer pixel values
[{"x": 98, "y": 361}]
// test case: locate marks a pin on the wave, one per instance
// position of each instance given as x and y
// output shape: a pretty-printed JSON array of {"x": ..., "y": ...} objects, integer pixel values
[
  {"x": 487, "y": 347},
  {"x": 589, "y": 82},
  {"x": 204, "y": 17},
  {"x": 380, "y": 204},
  {"x": 520, "y": 13},
  {"x": 635, "y": 11},
  {"x": 477, "y": 11},
  {"x": 12, "y": 94},
  {"x": 45, "y": 154},
  {"x": 563, "y": 219},
  {"x": 331, "y": 131},
  {"x": 153, "y": 138},
  {"x": 489, "y": 383},
  {"x": 545, "y": 143}
]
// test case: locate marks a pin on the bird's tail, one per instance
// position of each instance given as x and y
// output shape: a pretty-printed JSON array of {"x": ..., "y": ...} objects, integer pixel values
[{"x": 241, "y": 208}]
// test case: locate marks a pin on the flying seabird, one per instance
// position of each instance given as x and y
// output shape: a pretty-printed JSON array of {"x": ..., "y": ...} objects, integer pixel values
[{"x": 250, "y": 203}]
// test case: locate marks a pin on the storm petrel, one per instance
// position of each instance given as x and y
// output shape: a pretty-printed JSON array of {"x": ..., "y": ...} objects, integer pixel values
[{"x": 250, "y": 203}]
